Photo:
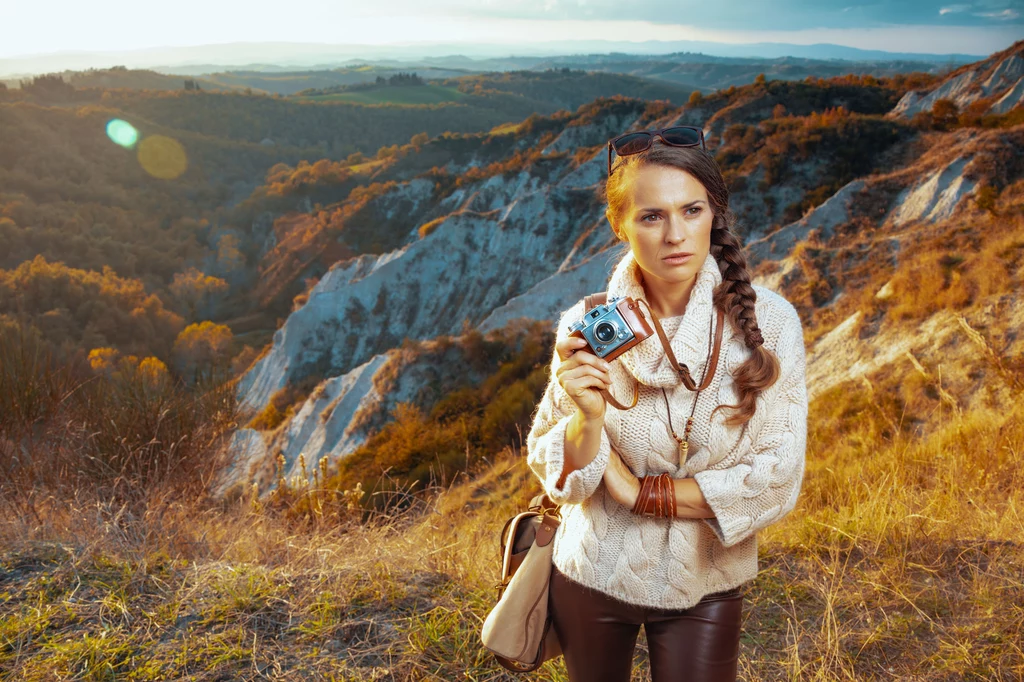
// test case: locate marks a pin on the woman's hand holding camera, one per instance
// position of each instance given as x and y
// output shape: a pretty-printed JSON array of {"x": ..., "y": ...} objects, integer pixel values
[{"x": 582, "y": 375}]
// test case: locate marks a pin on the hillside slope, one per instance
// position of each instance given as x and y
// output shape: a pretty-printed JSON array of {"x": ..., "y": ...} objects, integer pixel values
[{"x": 522, "y": 239}]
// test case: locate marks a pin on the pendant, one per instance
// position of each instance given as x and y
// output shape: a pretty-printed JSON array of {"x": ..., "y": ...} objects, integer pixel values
[{"x": 684, "y": 447}]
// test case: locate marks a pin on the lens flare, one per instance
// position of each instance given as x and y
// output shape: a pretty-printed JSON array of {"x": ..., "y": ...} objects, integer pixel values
[
  {"x": 162, "y": 157},
  {"x": 122, "y": 133}
]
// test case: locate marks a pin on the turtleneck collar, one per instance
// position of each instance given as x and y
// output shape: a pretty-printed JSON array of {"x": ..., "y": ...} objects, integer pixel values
[{"x": 647, "y": 360}]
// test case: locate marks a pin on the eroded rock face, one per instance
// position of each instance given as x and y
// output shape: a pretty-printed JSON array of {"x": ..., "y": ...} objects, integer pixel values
[
  {"x": 929, "y": 190},
  {"x": 326, "y": 425},
  {"x": 935, "y": 197},
  {"x": 1000, "y": 76},
  {"x": 835, "y": 211},
  {"x": 548, "y": 298},
  {"x": 466, "y": 267},
  {"x": 945, "y": 338}
]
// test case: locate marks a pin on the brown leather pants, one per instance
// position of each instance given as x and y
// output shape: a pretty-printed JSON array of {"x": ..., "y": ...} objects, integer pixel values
[{"x": 598, "y": 634}]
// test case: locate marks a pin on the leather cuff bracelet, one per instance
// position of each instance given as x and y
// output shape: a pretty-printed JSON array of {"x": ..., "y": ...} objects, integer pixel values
[{"x": 657, "y": 497}]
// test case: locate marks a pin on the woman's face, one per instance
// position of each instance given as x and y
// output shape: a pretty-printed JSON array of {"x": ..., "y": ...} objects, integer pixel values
[{"x": 668, "y": 212}]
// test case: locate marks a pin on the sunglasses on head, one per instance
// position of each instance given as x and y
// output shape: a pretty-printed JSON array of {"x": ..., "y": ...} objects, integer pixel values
[{"x": 641, "y": 140}]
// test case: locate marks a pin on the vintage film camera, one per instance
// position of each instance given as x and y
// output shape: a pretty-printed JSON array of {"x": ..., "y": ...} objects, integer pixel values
[{"x": 611, "y": 328}]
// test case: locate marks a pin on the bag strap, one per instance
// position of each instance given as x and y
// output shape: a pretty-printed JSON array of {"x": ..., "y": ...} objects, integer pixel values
[
  {"x": 601, "y": 297},
  {"x": 543, "y": 503}
]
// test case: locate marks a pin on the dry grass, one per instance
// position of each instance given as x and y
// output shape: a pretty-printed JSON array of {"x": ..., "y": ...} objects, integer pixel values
[
  {"x": 959, "y": 263},
  {"x": 903, "y": 560}
]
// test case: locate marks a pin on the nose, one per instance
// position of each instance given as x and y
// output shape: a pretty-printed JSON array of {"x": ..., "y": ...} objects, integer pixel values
[{"x": 675, "y": 230}]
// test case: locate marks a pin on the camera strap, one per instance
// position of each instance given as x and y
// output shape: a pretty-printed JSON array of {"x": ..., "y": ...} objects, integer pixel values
[{"x": 684, "y": 372}]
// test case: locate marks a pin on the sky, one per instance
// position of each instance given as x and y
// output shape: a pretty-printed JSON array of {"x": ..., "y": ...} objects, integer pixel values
[{"x": 978, "y": 27}]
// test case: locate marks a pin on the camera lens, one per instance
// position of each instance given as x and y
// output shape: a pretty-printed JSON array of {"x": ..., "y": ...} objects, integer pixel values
[{"x": 605, "y": 331}]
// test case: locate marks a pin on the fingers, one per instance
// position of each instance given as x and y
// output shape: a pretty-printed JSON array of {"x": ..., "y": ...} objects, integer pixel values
[
  {"x": 585, "y": 373},
  {"x": 567, "y": 347},
  {"x": 571, "y": 370},
  {"x": 571, "y": 352},
  {"x": 576, "y": 386}
]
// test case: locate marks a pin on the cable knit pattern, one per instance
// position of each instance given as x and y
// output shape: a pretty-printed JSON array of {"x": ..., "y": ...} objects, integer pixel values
[{"x": 750, "y": 475}]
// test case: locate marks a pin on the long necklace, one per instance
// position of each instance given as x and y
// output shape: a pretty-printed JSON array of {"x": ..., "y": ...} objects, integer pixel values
[{"x": 684, "y": 443}]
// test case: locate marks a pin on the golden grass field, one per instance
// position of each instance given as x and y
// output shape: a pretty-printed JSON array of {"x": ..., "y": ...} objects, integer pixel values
[{"x": 903, "y": 560}]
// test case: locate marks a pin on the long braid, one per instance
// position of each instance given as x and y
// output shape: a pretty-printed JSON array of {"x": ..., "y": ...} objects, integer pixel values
[{"x": 736, "y": 297}]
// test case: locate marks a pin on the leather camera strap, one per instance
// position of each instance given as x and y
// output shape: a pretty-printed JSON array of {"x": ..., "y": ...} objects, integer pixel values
[{"x": 684, "y": 371}]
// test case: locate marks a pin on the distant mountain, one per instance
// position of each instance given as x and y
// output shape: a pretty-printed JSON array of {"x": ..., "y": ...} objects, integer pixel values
[
  {"x": 684, "y": 70},
  {"x": 134, "y": 79},
  {"x": 296, "y": 56}
]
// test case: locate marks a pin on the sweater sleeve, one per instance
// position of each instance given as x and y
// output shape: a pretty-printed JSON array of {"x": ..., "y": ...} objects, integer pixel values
[
  {"x": 764, "y": 485},
  {"x": 546, "y": 441}
]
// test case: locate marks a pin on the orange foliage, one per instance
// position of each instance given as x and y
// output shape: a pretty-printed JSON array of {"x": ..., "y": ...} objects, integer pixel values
[
  {"x": 154, "y": 372},
  {"x": 79, "y": 308},
  {"x": 283, "y": 180},
  {"x": 103, "y": 360},
  {"x": 194, "y": 289},
  {"x": 202, "y": 346}
]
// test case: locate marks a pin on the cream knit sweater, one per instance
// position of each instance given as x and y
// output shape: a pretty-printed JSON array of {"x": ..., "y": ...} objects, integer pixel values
[{"x": 751, "y": 475}]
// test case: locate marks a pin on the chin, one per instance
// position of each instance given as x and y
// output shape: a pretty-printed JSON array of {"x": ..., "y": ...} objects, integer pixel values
[{"x": 676, "y": 273}]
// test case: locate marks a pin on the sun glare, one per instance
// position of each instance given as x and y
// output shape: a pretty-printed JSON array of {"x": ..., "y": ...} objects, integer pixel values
[
  {"x": 162, "y": 157},
  {"x": 122, "y": 133}
]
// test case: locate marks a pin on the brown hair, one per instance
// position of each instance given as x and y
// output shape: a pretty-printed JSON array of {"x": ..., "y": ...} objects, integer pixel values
[{"x": 734, "y": 296}]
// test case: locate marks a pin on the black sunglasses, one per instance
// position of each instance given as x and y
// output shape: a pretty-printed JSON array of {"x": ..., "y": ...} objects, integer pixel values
[{"x": 641, "y": 140}]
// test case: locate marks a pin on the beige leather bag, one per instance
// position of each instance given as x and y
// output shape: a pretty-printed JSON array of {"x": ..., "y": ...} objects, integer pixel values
[{"x": 518, "y": 629}]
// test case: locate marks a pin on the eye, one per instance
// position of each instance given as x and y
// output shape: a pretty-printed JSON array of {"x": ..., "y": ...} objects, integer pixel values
[
  {"x": 695, "y": 209},
  {"x": 649, "y": 215}
]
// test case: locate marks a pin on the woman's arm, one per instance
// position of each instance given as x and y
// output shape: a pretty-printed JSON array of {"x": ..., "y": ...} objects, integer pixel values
[
  {"x": 566, "y": 451},
  {"x": 624, "y": 487},
  {"x": 582, "y": 442},
  {"x": 690, "y": 500}
]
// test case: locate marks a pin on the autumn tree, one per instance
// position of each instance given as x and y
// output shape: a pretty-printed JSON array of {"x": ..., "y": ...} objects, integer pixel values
[
  {"x": 104, "y": 360},
  {"x": 202, "y": 350},
  {"x": 387, "y": 152},
  {"x": 198, "y": 293},
  {"x": 87, "y": 309},
  {"x": 154, "y": 373}
]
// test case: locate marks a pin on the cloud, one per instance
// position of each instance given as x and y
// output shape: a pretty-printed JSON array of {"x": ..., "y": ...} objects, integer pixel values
[
  {"x": 756, "y": 14},
  {"x": 1005, "y": 15}
]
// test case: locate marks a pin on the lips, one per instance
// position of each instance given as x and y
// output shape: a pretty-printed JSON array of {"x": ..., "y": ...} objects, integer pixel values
[{"x": 677, "y": 256}]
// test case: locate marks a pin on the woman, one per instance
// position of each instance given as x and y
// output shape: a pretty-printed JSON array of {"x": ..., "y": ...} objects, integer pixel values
[{"x": 731, "y": 470}]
